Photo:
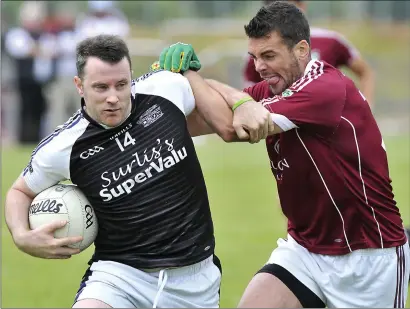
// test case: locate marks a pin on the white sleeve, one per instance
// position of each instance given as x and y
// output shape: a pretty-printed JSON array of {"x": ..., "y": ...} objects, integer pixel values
[
  {"x": 50, "y": 160},
  {"x": 171, "y": 86},
  {"x": 19, "y": 43},
  {"x": 45, "y": 169}
]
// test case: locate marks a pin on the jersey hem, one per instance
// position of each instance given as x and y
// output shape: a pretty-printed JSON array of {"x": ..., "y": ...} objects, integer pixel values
[
  {"x": 331, "y": 250},
  {"x": 154, "y": 265}
]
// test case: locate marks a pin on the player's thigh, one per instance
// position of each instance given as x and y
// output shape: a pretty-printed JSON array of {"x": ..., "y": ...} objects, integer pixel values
[
  {"x": 99, "y": 294},
  {"x": 371, "y": 278},
  {"x": 104, "y": 286},
  {"x": 258, "y": 293},
  {"x": 285, "y": 281}
]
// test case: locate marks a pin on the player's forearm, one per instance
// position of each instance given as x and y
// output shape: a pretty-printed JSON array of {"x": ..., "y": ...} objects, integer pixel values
[
  {"x": 231, "y": 95},
  {"x": 366, "y": 78},
  {"x": 212, "y": 107},
  {"x": 16, "y": 212}
]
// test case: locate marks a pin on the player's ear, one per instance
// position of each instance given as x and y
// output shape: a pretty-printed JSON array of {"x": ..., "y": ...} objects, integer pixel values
[
  {"x": 302, "y": 6},
  {"x": 79, "y": 85},
  {"x": 302, "y": 49}
]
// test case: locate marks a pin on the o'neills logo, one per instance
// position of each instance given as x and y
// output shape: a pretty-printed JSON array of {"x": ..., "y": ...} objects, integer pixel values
[{"x": 45, "y": 206}]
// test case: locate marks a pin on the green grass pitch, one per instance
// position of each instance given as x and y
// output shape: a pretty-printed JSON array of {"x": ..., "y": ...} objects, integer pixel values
[{"x": 245, "y": 209}]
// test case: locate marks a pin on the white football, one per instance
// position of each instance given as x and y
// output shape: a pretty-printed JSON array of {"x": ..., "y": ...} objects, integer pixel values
[{"x": 65, "y": 202}]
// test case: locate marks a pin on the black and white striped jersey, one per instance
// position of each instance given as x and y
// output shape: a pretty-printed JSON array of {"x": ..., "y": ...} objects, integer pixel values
[{"x": 143, "y": 178}]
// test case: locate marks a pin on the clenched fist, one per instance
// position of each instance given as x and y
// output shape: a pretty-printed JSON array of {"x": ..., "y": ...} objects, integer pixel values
[
  {"x": 179, "y": 58},
  {"x": 252, "y": 121}
]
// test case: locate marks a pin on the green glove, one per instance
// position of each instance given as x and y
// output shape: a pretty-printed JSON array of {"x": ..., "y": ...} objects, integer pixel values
[{"x": 179, "y": 58}]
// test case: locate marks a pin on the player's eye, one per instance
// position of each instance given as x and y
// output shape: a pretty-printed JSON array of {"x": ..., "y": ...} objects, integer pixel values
[
  {"x": 121, "y": 85},
  {"x": 101, "y": 87}
]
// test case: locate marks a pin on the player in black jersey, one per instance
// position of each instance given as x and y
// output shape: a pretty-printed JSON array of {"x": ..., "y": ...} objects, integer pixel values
[{"x": 155, "y": 244}]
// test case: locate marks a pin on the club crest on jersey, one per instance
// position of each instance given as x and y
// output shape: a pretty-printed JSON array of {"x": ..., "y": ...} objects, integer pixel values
[
  {"x": 150, "y": 116},
  {"x": 287, "y": 93}
]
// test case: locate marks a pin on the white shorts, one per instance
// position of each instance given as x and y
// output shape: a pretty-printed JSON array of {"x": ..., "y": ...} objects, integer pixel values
[
  {"x": 364, "y": 278},
  {"x": 122, "y": 286}
]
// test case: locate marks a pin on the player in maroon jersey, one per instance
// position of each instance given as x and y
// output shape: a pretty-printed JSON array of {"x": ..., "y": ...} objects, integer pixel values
[
  {"x": 332, "y": 48},
  {"x": 346, "y": 245}
]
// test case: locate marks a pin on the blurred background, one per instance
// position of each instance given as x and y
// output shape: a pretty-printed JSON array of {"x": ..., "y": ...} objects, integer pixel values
[{"x": 38, "y": 40}]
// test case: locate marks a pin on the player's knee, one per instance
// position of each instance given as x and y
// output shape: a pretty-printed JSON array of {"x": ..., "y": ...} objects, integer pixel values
[{"x": 90, "y": 303}]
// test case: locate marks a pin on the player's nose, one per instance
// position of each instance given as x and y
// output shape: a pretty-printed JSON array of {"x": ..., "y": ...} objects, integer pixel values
[
  {"x": 260, "y": 65},
  {"x": 112, "y": 99}
]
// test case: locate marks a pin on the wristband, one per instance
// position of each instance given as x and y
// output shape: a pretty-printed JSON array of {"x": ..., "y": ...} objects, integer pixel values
[{"x": 240, "y": 102}]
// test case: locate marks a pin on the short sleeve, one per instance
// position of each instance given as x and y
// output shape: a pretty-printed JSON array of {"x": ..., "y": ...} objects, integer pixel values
[
  {"x": 50, "y": 160},
  {"x": 172, "y": 86},
  {"x": 315, "y": 102},
  {"x": 44, "y": 170}
]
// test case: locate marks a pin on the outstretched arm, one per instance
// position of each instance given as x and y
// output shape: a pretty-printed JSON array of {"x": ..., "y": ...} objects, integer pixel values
[
  {"x": 249, "y": 124},
  {"x": 250, "y": 120},
  {"x": 366, "y": 76},
  {"x": 231, "y": 95},
  {"x": 212, "y": 114}
]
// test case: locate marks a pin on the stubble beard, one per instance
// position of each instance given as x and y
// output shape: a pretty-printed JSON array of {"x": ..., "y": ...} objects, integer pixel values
[{"x": 297, "y": 73}]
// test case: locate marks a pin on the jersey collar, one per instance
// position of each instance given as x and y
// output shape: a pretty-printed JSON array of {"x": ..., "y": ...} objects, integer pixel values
[{"x": 309, "y": 66}]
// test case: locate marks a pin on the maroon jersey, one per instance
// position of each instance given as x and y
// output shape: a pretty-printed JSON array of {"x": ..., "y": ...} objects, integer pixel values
[
  {"x": 326, "y": 45},
  {"x": 330, "y": 164}
]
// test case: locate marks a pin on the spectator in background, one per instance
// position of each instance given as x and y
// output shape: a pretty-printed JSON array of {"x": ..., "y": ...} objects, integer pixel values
[
  {"x": 33, "y": 52},
  {"x": 62, "y": 96},
  {"x": 103, "y": 18},
  {"x": 9, "y": 106},
  {"x": 332, "y": 48}
]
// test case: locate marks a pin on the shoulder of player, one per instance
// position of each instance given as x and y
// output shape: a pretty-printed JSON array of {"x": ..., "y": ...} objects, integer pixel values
[
  {"x": 63, "y": 137},
  {"x": 258, "y": 91},
  {"x": 324, "y": 33},
  {"x": 321, "y": 33},
  {"x": 158, "y": 77},
  {"x": 159, "y": 82},
  {"x": 173, "y": 87},
  {"x": 320, "y": 76}
]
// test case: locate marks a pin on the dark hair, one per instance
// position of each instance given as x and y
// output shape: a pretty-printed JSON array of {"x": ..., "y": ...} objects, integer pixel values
[
  {"x": 108, "y": 48},
  {"x": 283, "y": 17}
]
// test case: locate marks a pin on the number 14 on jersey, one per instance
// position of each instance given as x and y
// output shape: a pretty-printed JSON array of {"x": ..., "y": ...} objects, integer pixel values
[{"x": 128, "y": 140}]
